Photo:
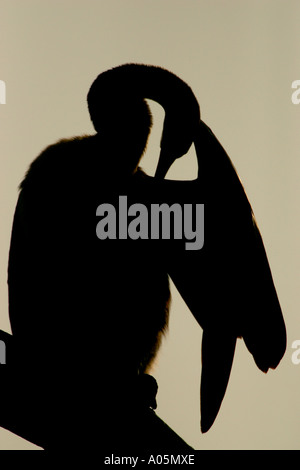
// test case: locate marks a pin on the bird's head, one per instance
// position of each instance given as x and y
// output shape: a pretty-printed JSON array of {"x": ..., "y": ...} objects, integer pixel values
[{"x": 117, "y": 106}]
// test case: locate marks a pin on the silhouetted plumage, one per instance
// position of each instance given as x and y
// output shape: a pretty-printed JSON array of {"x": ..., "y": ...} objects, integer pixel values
[
  {"x": 228, "y": 285},
  {"x": 85, "y": 311}
]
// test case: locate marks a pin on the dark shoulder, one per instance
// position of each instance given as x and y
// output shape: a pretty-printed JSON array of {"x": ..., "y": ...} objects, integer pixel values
[{"x": 61, "y": 159}]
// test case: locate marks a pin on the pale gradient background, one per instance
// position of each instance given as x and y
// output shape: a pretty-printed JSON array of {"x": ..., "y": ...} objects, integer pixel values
[{"x": 240, "y": 57}]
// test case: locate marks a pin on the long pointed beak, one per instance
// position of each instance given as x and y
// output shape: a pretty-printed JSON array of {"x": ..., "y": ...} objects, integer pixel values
[{"x": 164, "y": 163}]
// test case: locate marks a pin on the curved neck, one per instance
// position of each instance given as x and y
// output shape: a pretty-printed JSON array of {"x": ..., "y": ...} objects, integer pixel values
[{"x": 129, "y": 82}]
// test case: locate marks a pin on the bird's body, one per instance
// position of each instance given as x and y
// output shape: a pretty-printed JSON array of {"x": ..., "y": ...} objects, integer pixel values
[{"x": 84, "y": 311}]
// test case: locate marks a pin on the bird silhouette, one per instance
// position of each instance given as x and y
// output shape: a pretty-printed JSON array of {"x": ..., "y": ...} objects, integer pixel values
[
  {"x": 81, "y": 311},
  {"x": 228, "y": 284}
]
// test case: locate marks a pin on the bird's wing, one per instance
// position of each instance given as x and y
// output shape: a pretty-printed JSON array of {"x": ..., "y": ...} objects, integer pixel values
[{"x": 227, "y": 284}]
